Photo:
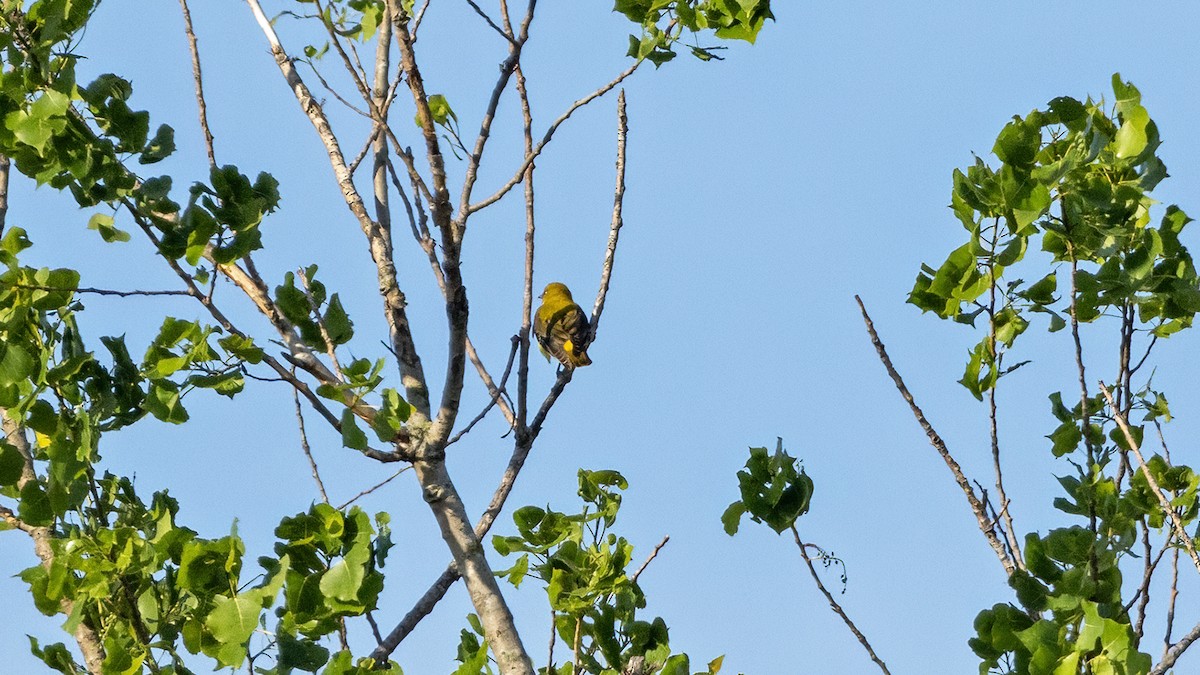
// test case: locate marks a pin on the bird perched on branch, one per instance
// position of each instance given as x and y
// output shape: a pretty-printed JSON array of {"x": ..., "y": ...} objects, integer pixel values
[{"x": 561, "y": 327}]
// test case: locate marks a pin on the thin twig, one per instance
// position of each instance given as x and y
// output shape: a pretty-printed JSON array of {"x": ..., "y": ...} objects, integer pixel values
[
  {"x": 977, "y": 507},
  {"x": 1171, "y": 598},
  {"x": 519, "y": 175},
  {"x": 194, "y": 49},
  {"x": 96, "y": 291},
  {"x": 650, "y": 558},
  {"x": 488, "y": 20},
  {"x": 1009, "y": 529},
  {"x": 833, "y": 604},
  {"x": 1165, "y": 503},
  {"x": 366, "y": 492},
  {"x": 312, "y": 463},
  {"x": 495, "y": 397}
]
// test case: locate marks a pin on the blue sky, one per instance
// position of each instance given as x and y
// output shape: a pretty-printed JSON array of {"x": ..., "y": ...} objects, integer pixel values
[{"x": 764, "y": 191}]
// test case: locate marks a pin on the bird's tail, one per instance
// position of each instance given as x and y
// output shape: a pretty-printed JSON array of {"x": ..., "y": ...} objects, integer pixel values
[
  {"x": 580, "y": 358},
  {"x": 576, "y": 356}
]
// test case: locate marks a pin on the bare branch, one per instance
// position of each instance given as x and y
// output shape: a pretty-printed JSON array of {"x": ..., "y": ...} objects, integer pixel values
[
  {"x": 530, "y": 230},
  {"x": 833, "y": 604},
  {"x": 499, "y": 392},
  {"x": 359, "y": 496},
  {"x": 615, "y": 230},
  {"x": 312, "y": 463},
  {"x": 194, "y": 49},
  {"x": 412, "y": 373},
  {"x": 487, "y": 19},
  {"x": 519, "y": 175},
  {"x": 98, "y": 291},
  {"x": 1165, "y": 503},
  {"x": 985, "y": 525},
  {"x": 1171, "y": 599},
  {"x": 438, "y": 589},
  {"x": 650, "y": 559},
  {"x": 1176, "y": 650}
]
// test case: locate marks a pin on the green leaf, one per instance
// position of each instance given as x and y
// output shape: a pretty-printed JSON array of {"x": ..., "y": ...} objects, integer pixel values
[
  {"x": 337, "y": 322},
  {"x": 732, "y": 517},
  {"x": 35, "y": 508},
  {"x": 163, "y": 401},
  {"x": 232, "y": 621},
  {"x": 439, "y": 110},
  {"x": 16, "y": 364},
  {"x": 11, "y": 464},
  {"x": 300, "y": 654},
  {"x": 103, "y": 223},
  {"x": 160, "y": 147},
  {"x": 352, "y": 436}
]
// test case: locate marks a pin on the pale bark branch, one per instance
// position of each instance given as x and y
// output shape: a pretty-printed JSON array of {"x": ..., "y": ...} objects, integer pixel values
[
  {"x": 985, "y": 524},
  {"x": 615, "y": 230},
  {"x": 1165, "y": 503},
  {"x": 412, "y": 373},
  {"x": 1175, "y": 651},
  {"x": 86, "y": 637}
]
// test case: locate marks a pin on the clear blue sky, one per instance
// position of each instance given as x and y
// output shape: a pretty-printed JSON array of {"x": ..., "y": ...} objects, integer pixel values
[{"x": 763, "y": 192}]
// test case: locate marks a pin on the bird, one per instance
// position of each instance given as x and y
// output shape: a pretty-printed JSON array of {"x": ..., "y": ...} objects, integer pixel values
[{"x": 561, "y": 327}]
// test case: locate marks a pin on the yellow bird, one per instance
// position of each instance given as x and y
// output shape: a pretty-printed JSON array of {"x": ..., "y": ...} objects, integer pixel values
[{"x": 561, "y": 327}]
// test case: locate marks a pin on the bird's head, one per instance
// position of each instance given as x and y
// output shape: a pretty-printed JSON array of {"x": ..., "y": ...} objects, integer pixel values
[{"x": 556, "y": 290}]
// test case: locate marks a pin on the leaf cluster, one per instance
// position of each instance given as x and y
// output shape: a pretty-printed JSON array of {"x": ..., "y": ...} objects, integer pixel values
[
  {"x": 775, "y": 490},
  {"x": 584, "y": 567}
]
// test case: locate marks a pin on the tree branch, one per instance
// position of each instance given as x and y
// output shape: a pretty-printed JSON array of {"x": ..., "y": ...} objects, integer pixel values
[
  {"x": 985, "y": 524},
  {"x": 194, "y": 49},
  {"x": 411, "y": 372},
  {"x": 615, "y": 230},
  {"x": 519, "y": 175},
  {"x": 1165, "y": 503},
  {"x": 833, "y": 604},
  {"x": 86, "y": 637}
]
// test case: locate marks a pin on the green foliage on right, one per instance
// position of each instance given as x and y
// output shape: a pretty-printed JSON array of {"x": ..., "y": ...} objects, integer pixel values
[{"x": 1077, "y": 181}]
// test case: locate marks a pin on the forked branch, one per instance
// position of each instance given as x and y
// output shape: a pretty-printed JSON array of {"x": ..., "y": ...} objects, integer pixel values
[{"x": 986, "y": 524}]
